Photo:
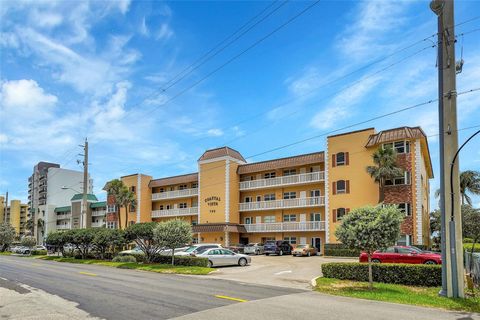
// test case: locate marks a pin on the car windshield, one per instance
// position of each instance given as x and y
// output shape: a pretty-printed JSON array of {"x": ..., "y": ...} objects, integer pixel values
[
  {"x": 251, "y": 245},
  {"x": 301, "y": 246},
  {"x": 201, "y": 250},
  {"x": 270, "y": 242},
  {"x": 191, "y": 248},
  {"x": 416, "y": 249}
]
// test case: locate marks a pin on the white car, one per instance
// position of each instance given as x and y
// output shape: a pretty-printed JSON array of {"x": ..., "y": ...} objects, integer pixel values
[
  {"x": 40, "y": 247},
  {"x": 197, "y": 248},
  {"x": 135, "y": 250},
  {"x": 224, "y": 257}
]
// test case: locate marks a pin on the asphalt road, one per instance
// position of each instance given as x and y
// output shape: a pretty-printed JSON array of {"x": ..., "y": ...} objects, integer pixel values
[{"x": 128, "y": 294}]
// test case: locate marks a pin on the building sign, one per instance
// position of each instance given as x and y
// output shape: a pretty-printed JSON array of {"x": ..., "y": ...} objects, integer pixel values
[{"x": 212, "y": 202}]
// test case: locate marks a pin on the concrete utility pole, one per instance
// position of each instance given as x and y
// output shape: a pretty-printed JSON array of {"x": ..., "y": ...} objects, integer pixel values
[
  {"x": 6, "y": 206},
  {"x": 83, "y": 217},
  {"x": 451, "y": 218}
]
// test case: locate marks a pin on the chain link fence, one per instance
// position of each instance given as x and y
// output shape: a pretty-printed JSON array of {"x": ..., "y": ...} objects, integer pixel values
[{"x": 472, "y": 265}]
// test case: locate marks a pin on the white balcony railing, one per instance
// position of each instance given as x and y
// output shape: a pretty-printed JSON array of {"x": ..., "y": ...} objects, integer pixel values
[
  {"x": 283, "y": 181},
  {"x": 63, "y": 226},
  {"x": 64, "y": 216},
  {"x": 175, "y": 212},
  {"x": 185, "y": 193},
  {"x": 283, "y": 204},
  {"x": 286, "y": 226},
  {"x": 99, "y": 213},
  {"x": 97, "y": 224}
]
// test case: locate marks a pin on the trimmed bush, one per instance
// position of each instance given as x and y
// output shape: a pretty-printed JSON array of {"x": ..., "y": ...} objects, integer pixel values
[
  {"x": 468, "y": 247},
  {"x": 187, "y": 261},
  {"x": 467, "y": 240},
  {"x": 124, "y": 259},
  {"x": 407, "y": 274},
  {"x": 340, "y": 250},
  {"x": 39, "y": 252}
]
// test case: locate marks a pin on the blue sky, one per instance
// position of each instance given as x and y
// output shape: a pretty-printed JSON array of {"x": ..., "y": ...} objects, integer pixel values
[{"x": 71, "y": 69}]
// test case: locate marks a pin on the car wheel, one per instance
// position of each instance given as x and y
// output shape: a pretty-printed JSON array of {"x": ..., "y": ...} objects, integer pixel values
[
  {"x": 267, "y": 254},
  {"x": 27, "y": 252},
  {"x": 280, "y": 253},
  {"x": 242, "y": 262},
  {"x": 429, "y": 262},
  {"x": 257, "y": 252},
  {"x": 376, "y": 261},
  {"x": 210, "y": 264},
  {"x": 308, "y": 254}
]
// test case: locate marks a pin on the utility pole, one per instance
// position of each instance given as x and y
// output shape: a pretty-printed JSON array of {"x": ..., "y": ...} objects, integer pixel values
[
  {"x": 83, "y": 217},
  {"x": 451, "y": 218},
  {"x": 6, "y": 206}
]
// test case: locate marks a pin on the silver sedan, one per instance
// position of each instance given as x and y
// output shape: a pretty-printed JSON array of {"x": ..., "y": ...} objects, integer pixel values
[{"x": 224, "y": 257}]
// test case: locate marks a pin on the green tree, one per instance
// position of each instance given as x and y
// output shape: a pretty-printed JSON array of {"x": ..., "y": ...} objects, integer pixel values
[
  {"x": 142, "y": 235},
  {"x": 370, "y": 229},
  {"x": 40, "y": 227},
  {"x": 173, "y": 234},
  {"x": 57, "y": 240},
  {"x": 7, "y": 235},
  {"x": 469, "y": 183},
  {"x": 29, "y": 242},
  {"x": 385, "y": 160},
  {"x": 30, "y": 226},
  {"x": 82, "y": 239},
  {"x": 106, "y": 239},
  {"x": 116, "y": 188},
  {"x": 127, "y": 199},
  {"x": 471, "y": 226}
]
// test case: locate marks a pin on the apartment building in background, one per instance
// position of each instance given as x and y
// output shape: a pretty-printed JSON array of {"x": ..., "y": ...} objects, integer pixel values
[
  {"x": 16, "y": 214},
  {"x": 299, "y": 199},
  {"x": 68, "y": 217},
  {"x": 50, "y": 187}
]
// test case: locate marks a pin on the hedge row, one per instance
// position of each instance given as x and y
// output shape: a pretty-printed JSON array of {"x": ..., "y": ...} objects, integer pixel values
[
  {"x": 178, "y": 261},
  {"x": 39, "y": 252},
  {"x": 407, "y": 274},
  {"x": 340, "y": 250},
  {"x": 468, "y": 247}
]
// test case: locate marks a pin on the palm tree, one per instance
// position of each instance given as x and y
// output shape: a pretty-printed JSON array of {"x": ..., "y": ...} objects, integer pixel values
[
  {"x": 127, "y": 199},
  {"x": 30, "y": 226},
  {"x": 115, "y": 188},
  {"x": 469, "y": 182},
  {"x": 385, "y": 160}
]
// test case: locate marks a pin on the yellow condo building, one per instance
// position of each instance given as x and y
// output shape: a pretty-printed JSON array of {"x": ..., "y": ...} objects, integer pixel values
[
  {"x": 300, "y": 199},
  {"x": 16, "y": 214}
]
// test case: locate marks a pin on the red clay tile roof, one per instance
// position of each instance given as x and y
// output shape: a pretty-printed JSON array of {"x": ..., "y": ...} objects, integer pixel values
[
  {"x": 185, "y": 178},
  {"x": 288, "y": 162},
  {"x": 395, "y": 134},
  {"x": 221, "y": 152}
]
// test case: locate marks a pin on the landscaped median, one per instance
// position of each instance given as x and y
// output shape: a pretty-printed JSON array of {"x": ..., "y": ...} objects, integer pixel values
[
  {"x": 399, "y": 283},
  {"x": 153, "y": 267}
]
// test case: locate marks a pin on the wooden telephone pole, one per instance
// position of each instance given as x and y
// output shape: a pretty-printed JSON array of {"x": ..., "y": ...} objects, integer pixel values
[{"x": 451, "y": 218}]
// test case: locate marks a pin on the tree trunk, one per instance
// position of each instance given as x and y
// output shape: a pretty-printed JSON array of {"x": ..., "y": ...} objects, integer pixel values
[
  {"x": 126, "y": 216},
  {"x": 173, "y": 257},
  {"x": 370, "y": 275},
  {"x": 381, "y": 192},
  {"x": 119, "y": 218}
]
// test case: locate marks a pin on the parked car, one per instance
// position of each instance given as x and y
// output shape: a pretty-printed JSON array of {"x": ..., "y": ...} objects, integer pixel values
[
  {"x": 279, "y": 247},
  {"x": 15, "y": 248},
  {"x": 23, "y": 250},
  {"x": 224, "y": 257},
  {"x": 40, "y": 247},
  {"x": 403, "y": 254},
  {"x": 197, "y": 248},
  {"x": 135, "y": 250},
  {"x": 238, "y": 248},
  {"x": 254, "y": 248},
  {"x": 304, "y": 250}
]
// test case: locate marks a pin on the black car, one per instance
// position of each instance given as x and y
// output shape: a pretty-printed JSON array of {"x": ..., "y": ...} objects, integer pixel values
[{"x": 277, "y": 247}]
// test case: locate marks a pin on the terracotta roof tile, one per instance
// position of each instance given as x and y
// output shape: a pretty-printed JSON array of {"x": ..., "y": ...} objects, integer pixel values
[
  {"x": 395, "y": 134},
  {"x": 185, "y": 178},
  {"x": 288, "y": 162},
  {"x": 221, "y": 152}
]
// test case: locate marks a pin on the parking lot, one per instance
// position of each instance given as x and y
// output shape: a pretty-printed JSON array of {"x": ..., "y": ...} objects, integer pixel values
[{"x": 285, "y": 271}]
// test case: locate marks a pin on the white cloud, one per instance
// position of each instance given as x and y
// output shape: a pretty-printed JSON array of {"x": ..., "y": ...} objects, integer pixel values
[
  {"x": 164, "y": 32},
  {"x": 144, "y": 28},
  {"x": 216, "y": 132}
]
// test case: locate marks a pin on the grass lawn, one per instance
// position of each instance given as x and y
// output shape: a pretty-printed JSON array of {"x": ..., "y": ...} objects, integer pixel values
[
  {"x": 5, "y": 253},
  {"x": 153, "y": 267},
  {"x": 419, "y": 296}
]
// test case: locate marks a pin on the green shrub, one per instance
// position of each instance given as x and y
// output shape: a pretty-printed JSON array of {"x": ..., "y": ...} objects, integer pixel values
[
  {"x": 468, "y": 247},
  {"x": 39, "y": 252},
  {"x": 340, "y": 250},
  {"x": 467, "y": 240},
  {"x": 181, "y": 260},
  {"x": 407, "y": 274},
  {"x": 124, "y": 259}
]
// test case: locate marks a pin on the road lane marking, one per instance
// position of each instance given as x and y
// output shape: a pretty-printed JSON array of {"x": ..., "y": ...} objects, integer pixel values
[
  {"x": 282, "y": 272},
  {"x": 230, "y": 298},
  {"x": 88, "y": 273}
]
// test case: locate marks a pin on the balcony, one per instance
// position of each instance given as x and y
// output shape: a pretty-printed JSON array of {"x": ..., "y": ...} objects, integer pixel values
[
  {"x": 97, "y": 224},
  {"x": 283, "y": 204},
  {"x": 63, "y": 226},
  {"x": 175, "y": 212},
  {"x": 302, "y": 178},
  {"x": 64, "y": 216},
  {"x": 185, "y": 193},
  {"x": 99, "y": 213},
  {"x": 286, "y": 226}
]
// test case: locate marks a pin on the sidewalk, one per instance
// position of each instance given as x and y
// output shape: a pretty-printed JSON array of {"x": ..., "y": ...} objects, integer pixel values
[{"x": 312, "y": 305}]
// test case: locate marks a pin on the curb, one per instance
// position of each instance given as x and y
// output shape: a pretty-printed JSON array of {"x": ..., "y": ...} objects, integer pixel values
[{"x": 313, "y": 282}]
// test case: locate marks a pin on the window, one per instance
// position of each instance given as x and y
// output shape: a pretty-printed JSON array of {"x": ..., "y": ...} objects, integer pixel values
[
  {"x": 161, "y": 207},
  {"x": 259, "y": 198},
  {"x": 289, "y": 195},
  {"x": 405, "y": 179},
  {"x": 289, "y": 172},
  {"x": 182, "y": 205},
  {"x": 248, "y": 220},
  {"x": 194, "y": 223},
  {"x": 398, "y": 146},
  {"x": 405, "y": 208},
  {"x": 168, "y": 207},
  {"x": 194, "y": 185},
  {"x": 315, "y": 217},
  {"x": 269, "y": 197},
  {"x": 132, "y": 208},
  {"x": 404, "y": 240},
  {"x": 269, "y": 219},
  {"x": 291, "y": 240},
  {"x": 111, "y": 225},
  {"x": 340, "y": 159},
  {"x": 162, "y": 190},
  {"x": 194, "y": 240},
  {"x": 269, "y": 175},
  {"x": 111, "y": 208},
  {"x": 131, "y": 223},
  {"x": 314, "y": 193},
  {"x": 341, "y": 186},
  {"x": 248, "y": 199},
  {"x": 289, "y": 217},
  {"x": 340, "y": 213},
  {"x": 182, "y": 187},
  {"x": 132, "y": 188}
]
